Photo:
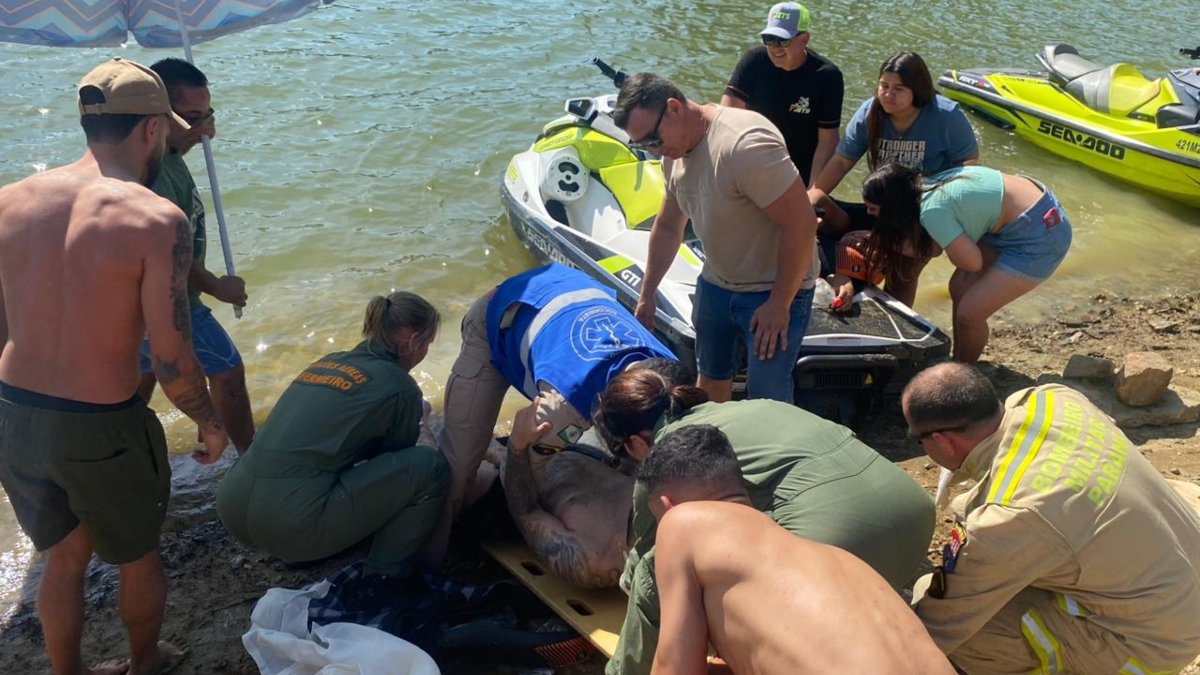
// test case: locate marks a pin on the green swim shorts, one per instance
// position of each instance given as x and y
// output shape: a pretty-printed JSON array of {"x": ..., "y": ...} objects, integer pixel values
[{"x": 64, "y": 462}]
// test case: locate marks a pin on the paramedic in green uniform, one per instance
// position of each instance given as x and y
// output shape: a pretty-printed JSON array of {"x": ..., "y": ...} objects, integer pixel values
[
  {"x": 810, "y": 475},
  {"x": 337, "y": 460}
]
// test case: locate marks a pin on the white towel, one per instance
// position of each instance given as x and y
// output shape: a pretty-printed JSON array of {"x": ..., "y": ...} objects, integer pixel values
[{"x": 280, "y": 643}]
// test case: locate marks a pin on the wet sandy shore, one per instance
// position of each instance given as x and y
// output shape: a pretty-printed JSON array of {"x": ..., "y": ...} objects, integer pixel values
[{"x": 214, "y": 581}]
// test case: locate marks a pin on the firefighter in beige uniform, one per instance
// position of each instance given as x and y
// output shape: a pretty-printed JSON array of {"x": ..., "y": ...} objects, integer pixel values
[{"x": 1071, "y": 555}]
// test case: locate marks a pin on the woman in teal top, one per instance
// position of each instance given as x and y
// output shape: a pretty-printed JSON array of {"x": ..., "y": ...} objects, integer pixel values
[
  {"x": 338, "y": 459},
  {"x": 1004, "y": 234}
]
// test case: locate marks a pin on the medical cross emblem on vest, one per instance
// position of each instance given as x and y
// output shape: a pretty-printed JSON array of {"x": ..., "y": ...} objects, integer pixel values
[{"x": 599, "y": 332}]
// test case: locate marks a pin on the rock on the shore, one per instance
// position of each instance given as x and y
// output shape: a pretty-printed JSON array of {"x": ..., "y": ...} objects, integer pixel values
[
  {"x": 1189, "y": 491},
  {"x": 1086, "y": 367},
  {"x": 1180, "y": 405},
  {"x": 1143, "y": 379}
]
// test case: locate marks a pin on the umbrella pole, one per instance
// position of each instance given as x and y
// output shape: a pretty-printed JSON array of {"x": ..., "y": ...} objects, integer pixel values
[{"x": 208, "y": 161}]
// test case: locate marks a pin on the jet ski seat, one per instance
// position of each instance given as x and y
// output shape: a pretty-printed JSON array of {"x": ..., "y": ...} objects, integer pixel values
[
  {"x": 1066, "y": 64},
  {"x": 638, "y": 187},
  {"x": 1116, "y": 90}
]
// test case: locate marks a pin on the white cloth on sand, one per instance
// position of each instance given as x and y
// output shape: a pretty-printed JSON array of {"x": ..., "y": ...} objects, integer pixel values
[{"x": 281, "y": 644}]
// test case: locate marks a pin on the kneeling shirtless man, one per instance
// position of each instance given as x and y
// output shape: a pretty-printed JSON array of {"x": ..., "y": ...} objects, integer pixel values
[{"x": 769, "y": 601}]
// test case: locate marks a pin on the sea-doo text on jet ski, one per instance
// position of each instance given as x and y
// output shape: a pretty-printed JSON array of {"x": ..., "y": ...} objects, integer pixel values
[{"x": 1111, "y": 118}]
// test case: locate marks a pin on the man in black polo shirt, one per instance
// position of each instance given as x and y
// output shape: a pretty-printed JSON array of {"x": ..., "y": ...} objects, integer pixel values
[{"x": 797, "y": 89}]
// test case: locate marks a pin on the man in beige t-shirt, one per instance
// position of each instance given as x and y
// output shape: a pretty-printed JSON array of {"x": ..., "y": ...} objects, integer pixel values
[{"x": 729, "y": 171}]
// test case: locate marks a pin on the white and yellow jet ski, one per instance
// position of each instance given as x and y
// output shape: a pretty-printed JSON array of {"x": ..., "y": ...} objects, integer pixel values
[{"x": 581, "y": 197}]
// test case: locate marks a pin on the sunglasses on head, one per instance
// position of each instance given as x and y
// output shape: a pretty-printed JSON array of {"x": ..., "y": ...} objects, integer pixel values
[{"x": 772, "y": 41}]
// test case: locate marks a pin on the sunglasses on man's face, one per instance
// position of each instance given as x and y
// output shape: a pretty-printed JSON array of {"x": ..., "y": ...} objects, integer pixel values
[
  {"x": 921, "y": 437},
  {"x": 652, "y": 139},
  {"x": 195, "y": 120},
  {"x": 772, "y": 41}
]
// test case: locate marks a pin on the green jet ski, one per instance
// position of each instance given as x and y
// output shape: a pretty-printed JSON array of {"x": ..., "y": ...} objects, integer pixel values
[{"x": 1111, "y": 118}]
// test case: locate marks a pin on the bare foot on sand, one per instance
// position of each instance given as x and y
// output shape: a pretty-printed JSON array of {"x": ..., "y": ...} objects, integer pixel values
[
  {"x": 168, "y": 657},
  {"x": 110, "y": 667}
]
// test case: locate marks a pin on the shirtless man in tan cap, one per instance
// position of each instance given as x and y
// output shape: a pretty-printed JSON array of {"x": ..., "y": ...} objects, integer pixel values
[
  {"x": 769, "y": 601},
  {"x": 91, "y": 260}
]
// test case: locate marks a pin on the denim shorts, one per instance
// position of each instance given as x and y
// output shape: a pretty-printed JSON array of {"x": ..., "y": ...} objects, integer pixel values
[
  {"x": 214, "y": 348},
  {"x": 1032, "y": 246},
  {"x": 722, "y": 321}
]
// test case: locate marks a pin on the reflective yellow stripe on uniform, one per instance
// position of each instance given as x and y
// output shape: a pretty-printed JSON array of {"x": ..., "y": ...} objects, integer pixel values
[
  {"x": 1039, "y": 413},
  {"x": 1135, "y": 667},
  {"x": 1070, "y": 605},
  {"x": 1043, "y": 642}
]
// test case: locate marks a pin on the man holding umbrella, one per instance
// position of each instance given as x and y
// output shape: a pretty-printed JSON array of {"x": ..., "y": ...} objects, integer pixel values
[
  {"x": 219, "y": 357},
  {"x": 158, "y": 25}
]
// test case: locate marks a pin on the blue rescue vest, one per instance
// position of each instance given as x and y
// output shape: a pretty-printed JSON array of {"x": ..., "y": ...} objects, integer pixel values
[{"x": 569, "y": 332}]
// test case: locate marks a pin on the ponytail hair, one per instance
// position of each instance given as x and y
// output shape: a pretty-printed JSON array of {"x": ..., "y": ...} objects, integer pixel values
[
  {"x": 385, "y": 316},
  {"x": 636, "y": 400}
]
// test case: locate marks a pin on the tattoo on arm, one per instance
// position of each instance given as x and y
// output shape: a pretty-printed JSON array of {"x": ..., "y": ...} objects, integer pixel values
[
  {"x": 519, "y": 487},
  {"x": 181, "y": 265},
  {"x": 548, "y": 536},
  {"x": 196, "y": 404},
  {"x": 181, "y": 318},
  {"x": 181, "y": 377},
  {"x": 166, "y": 371}
]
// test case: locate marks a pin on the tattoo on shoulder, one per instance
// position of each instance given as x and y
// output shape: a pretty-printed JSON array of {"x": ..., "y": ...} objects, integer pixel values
[
  {"x": 181, "y": 262},
  {"x": 557, "y": 546},
  {"x": 565, "y": 555}
]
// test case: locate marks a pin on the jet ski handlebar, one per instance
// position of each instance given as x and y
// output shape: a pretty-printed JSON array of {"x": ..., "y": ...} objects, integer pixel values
[
  {"x": 617, "y": 77},
  {"x": 1193, "y": 54}
]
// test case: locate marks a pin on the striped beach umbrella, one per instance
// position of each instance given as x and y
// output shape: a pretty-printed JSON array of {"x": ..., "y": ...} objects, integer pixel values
[{"x": 152, "y": 23}]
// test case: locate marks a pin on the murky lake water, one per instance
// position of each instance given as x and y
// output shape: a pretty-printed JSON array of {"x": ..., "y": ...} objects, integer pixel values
[{"x": 360, "y": 148}]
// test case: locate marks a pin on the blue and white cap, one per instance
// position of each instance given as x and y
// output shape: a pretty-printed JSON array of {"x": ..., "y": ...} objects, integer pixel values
[{"x": 787, "y": 20}]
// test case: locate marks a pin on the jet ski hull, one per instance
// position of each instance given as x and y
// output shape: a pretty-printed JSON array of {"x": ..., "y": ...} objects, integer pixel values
[{"x": 1165, "y": 161}]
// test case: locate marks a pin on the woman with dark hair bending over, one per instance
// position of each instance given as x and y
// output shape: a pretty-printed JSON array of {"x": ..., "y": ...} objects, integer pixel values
[
  {"x": 810, "y": 475},
  {"x": 906, "y": 121},
  {"x": 337, "y": 460},
  {"x": 1004, "y": 234}
]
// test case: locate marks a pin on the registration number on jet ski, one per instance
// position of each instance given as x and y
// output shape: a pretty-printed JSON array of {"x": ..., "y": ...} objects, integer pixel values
[{"x": 1081, "y": 139}]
